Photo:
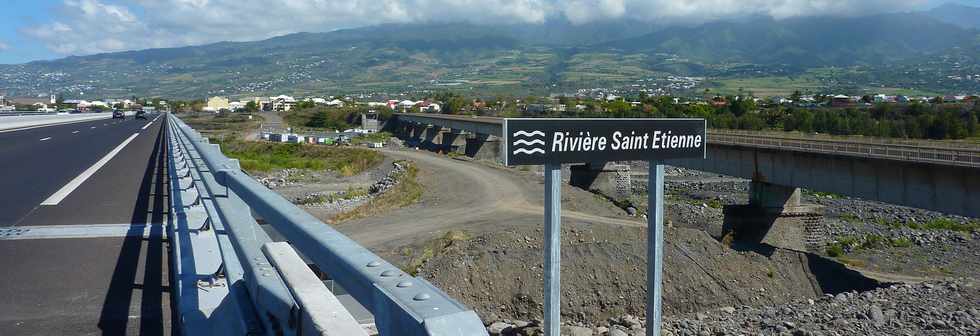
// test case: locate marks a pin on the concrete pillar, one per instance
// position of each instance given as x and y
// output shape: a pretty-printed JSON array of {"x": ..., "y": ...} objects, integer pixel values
[
  {"x": 417, "y": 131},
  {"x": 454, "y": 141},
  {"x": 774, "y": 196},
  {"x": 607, "y": 178},
  {"x": 432, "y": 136},
  {"x": 483, "y": 147},
  {"x": 776, "y": 217}
]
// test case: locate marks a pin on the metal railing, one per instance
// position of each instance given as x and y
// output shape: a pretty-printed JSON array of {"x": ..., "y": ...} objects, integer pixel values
[
  {"x": 214, "y": 202},
  {"x": 969, "y": 157}
]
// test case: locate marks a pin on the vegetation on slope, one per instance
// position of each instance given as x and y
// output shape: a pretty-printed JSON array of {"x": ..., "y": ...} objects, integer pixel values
[{"x": 267, "y": 156}]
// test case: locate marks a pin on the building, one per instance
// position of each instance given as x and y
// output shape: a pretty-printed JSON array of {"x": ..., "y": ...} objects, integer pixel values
[
  {"x": 369, "y": 121},
  {"x": 217, "y": 104},
  {"x": 283, "y": 103},
  {"x": 236, "y": 106},
  {"x": 841, "y": 101}
]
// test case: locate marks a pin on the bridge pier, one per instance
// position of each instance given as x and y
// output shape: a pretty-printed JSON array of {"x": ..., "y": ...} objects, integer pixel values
[
  {"x": 431, "y": 137},
  {"x": 483, "y": 147},
  {"x": 454, "y": 141},
  {"x": 775, "y": 216},
  {"x": 608, "y": 178}
]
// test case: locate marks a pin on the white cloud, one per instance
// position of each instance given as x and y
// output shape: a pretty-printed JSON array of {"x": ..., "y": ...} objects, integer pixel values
[
  {"x": 4, "y": 46},
  {"x": 91, "y": 26}
]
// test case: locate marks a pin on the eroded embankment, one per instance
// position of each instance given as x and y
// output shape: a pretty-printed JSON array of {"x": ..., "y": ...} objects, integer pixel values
[{"x": 604, "y": 273}]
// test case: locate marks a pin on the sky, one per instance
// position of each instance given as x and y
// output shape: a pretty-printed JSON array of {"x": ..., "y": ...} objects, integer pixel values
[{"x": 49, "y": 29}]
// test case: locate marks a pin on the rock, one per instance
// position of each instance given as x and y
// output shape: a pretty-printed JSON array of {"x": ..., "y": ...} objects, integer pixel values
[
  {"x": 617, "y": 332},
  {"x": 876, "y": 315},
  {"x": 631, "y": 211},
  {"x": 576, "y": 331},
  {"x": 728, "y": 310},
  {"x": 498, "y": 328}
]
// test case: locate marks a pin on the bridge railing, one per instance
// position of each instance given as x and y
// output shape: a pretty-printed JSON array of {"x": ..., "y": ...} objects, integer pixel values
[
  {"x": 916, "y": 153},
  {"x": 251, "y": 262}
]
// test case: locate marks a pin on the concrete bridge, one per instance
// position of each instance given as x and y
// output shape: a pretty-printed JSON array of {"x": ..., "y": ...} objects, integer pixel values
[{"x": 934, "y": 178}]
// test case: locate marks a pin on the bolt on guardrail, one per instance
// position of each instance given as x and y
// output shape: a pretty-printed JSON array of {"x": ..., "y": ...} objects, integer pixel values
[{"x": 401, "y": 304}]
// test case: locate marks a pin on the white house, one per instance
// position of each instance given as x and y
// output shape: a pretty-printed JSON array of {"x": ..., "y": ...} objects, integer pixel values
[
  {"x": 283, "y": 103},
  {"x": 406, "y": 104},
  {"x": 335, "y": 103}
]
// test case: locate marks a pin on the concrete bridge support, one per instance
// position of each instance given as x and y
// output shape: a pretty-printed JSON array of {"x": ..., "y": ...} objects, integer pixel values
[
  {"x": 431, "y": 137},
  {"x": 775, "y": 216},
  {"x": 483, "y": 147},
  {"x": 454, "y": 141},
  {"x": 610, "y": 179}
]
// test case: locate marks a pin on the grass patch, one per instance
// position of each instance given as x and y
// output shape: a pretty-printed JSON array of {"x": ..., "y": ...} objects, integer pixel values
[
  {"x": 822, "y": 194},
  {"x": 935, "y": 224},
  {"x": 715, "y": 203},
  {"x": 948, "y": 224},
  {"x": 407, "y": 191},
  {"x": 835, "y": 250},
  {"x": 851, "y": 261},
  {"x": 268, "y": 156},
  {"x": 841, "y": 247},
  {"x": 850, "y": 218},
  {"x": 381, "y": 137}
]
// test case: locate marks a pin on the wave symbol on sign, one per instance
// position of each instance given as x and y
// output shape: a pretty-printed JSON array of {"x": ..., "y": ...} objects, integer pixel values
[
  {"x": 526, "y": 151},
  {"x": 526, "y": 134},
  {"x": 529, "y": 145}
]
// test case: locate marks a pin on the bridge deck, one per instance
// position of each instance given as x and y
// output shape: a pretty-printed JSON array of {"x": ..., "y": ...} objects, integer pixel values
[
  {"x": 927, "y": 153},
  {"x": 96, "y": 262}
]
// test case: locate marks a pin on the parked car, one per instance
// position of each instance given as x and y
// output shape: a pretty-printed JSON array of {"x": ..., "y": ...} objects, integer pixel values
[{"x": 117, "y": 114}]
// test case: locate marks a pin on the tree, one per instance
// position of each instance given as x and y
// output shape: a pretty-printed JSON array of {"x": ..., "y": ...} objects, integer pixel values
[
  {"x": 618, "y": 108},
  {"x": 796, "y": 96},
  {"x": 251, "y": 106},
  {"x": 971, "y": 124},
  {"x": 306, "y": 104},
  {"x": 454, "y": 105}
]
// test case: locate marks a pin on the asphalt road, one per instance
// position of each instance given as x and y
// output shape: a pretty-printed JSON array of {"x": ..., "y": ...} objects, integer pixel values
[{"x": 103, "y": 184}]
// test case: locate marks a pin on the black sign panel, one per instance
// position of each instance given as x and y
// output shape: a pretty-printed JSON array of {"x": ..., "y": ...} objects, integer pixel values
[{"x": 542, "y": 141}]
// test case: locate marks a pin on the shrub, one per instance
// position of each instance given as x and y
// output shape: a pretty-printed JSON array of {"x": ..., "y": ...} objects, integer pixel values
[{"x": 835, "y": 250}]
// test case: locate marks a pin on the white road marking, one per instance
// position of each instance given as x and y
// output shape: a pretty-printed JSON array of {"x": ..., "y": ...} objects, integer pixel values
[
  {"x": 148, "y": 125},
  {"x": 75, "y": 132},
  {"x": 60, "y": 195},
  {"x": 145, "y": 230},
  {"x": 46, "y": 139},
  {"x": 93, "y": 126}
]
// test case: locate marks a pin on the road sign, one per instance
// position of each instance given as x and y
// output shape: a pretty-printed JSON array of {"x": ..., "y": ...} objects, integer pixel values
[
  {"x": 556, "y": 141},
  {"x": 551, "y": 142}
]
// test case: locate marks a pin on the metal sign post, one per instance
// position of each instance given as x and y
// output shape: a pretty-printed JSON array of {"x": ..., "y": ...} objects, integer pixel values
[
  {"x": 551, "y": 142},
  {"x": 655, "y": 246},
  {"x": 552, "y": 249}
]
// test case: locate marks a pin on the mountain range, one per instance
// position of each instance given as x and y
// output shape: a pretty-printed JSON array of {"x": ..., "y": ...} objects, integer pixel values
[{"x": 521, "y": 59}]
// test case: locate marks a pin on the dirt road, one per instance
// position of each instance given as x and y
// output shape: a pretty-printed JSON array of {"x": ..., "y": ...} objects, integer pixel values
[{"x": 474, "y": 197}]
